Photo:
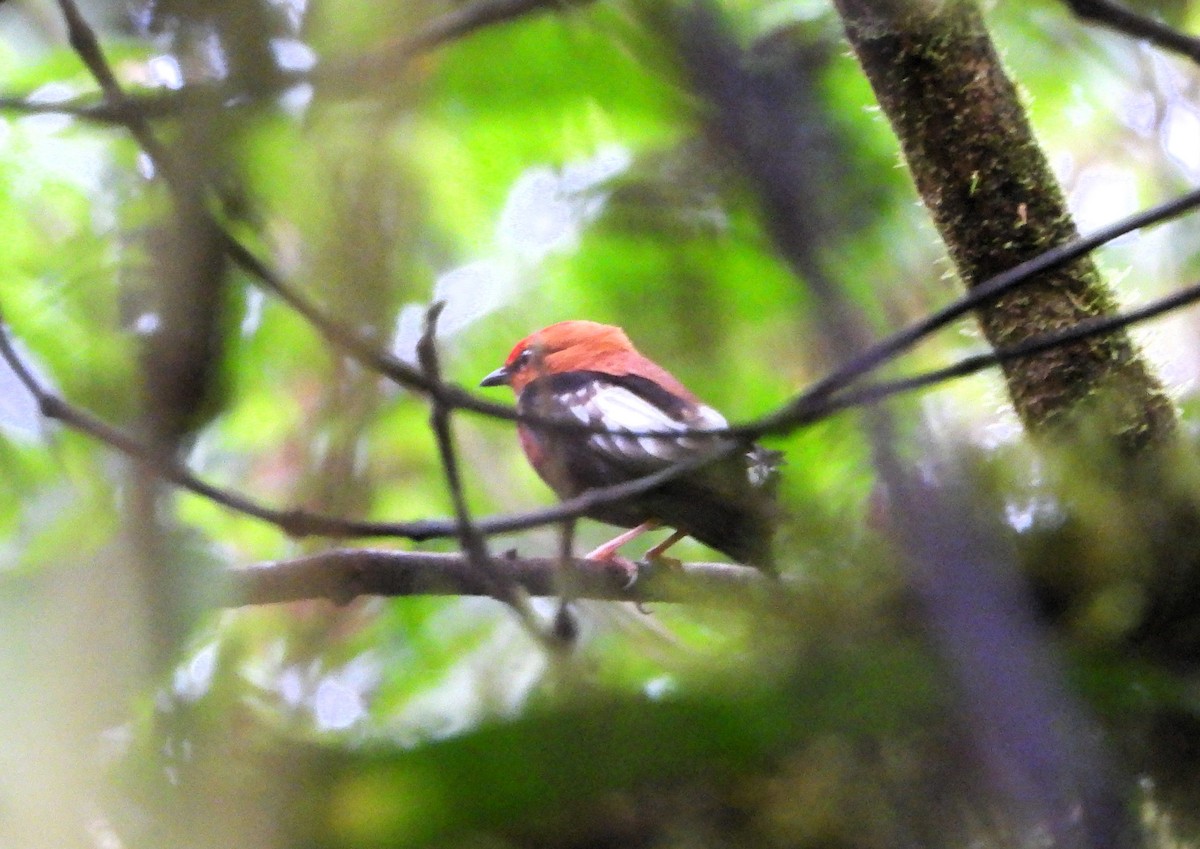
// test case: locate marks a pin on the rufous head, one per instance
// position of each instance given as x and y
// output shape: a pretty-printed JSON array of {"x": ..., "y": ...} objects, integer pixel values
[{"x": 577, "y": 346}]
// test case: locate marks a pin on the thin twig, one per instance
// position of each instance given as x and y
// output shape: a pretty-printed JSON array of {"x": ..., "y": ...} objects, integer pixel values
[
  {"x": 472, "y": 17},
  {"x": 293, "y": 522},
  {"x": 83, "y": 41},
  {"x": 801, "y": 408},
  {"x": 353, "y": 344},
  {"x": 500, "y": 584},
  {"x": 472, "y": 542},
  {"x": 82, "y": 107},
  {"x": 875, "y": 392},
  {"x": 1117, "y": 17},
  {"x": 565, "y": 626},
  {"x": 457, "y": 23}
]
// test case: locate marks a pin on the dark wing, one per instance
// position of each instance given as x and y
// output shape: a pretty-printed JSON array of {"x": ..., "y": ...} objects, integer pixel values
[
  {"x": 621, "y": 403},
  {"x": 727, "y": 506}
]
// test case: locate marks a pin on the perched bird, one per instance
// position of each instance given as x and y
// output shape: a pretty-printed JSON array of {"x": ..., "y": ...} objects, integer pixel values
[{"x": 591, "y": 372}]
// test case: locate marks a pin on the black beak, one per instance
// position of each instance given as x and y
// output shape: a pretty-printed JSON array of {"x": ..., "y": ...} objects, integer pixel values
[{"x": 500, "y": 377}]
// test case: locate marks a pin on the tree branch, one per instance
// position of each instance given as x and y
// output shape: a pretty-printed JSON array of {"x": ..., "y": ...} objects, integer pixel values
[
  {"x": 471, "y": 541},
  {"x": 1117, "y": 17},
  {"x": 987, "y": 291},
  {"x": 87, "y": 109},
  {"x": 385, "y": 63},
  {"x": 343, "y": 574},
  {"x": 873, "y": 393}
]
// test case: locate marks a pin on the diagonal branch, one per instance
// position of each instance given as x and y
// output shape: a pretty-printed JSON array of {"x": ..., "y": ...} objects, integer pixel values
[
  {"x": 472, "y": 17},
  {"x": 83, "y": 41},
  {"x": 873, "y": 393},
  {"x": 469, "y": 18},
  {"x": 353, "y": 344},
  {"x": 1117, "y": 17},
  {"x": 802, "y": 406}
]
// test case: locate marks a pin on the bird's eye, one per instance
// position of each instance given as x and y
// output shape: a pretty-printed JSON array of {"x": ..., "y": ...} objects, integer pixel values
[{"x": 523, "y": 359}]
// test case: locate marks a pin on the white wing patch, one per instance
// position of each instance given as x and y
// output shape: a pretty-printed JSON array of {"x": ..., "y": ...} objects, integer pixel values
[{"x": 618, "y": 408}]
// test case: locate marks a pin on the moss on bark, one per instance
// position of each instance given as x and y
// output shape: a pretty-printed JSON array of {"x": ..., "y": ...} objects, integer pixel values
[{"x": 995, "y": 201}]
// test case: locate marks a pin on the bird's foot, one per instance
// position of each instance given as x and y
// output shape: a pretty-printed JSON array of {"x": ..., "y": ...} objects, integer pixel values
[
  {"x": 622, "y": 567},
  {"x": 607, "y": 553},
  {"x": 628, "y": 571}
]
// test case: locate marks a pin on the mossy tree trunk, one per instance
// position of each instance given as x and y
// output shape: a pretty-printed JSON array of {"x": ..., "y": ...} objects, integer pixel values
[{"x": 995, "y": 201}]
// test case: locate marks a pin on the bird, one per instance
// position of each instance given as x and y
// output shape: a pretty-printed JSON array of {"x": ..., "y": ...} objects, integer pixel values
[{"x": 591, "y": 373}]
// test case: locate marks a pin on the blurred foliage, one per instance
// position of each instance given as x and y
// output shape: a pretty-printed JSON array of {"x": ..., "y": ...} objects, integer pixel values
[{"x": 541, "y": 169}]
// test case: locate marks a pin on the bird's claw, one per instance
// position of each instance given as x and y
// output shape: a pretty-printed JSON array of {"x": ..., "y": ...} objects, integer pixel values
[{"x": 627, "y": 569}]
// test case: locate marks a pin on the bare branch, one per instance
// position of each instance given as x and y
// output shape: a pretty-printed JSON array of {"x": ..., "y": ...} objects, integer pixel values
[
  {"x": 472, "y": 17},
  {"x": 473, "y": 543},
  {"x": 464, "y": 20},
  {"x": 390, "y": 59},
  {"x": 353, "y": 344},
  {"x": 566, "y": 628},
  {"x": 295, "y": 523},
  {"x": 82, "y": 107},
  {"x": 346, "y": 573},
  {"x": 1123, "y": 20},
  {"x": 876, "y": 392},
  {"x": 83, "y": 41},
  {"x": 802, "y": 407}
]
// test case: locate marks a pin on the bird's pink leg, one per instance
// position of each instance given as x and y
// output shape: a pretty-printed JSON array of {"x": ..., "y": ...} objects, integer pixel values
[
  {"x": 656, "y": 553},
  {"x": 609, "y": 549},
  {"x": 607, "y": 553}
]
